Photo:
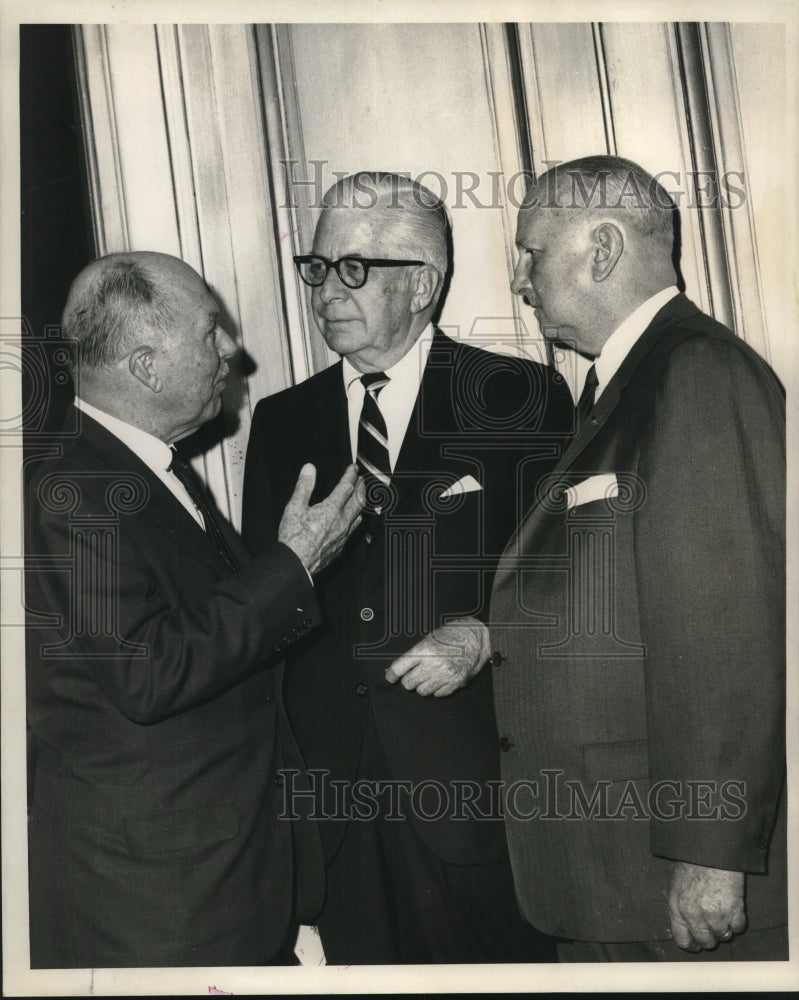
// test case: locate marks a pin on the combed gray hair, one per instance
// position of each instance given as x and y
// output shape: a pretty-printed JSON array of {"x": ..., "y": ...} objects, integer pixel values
[
  {"x": 117, "y": 297},
  {"x": 420, "y": 227},
  {"x": 615, "y": 185}
]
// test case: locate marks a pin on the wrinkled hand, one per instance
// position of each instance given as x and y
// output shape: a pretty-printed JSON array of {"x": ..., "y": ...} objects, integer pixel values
[
  {"x": 317, "y": 534},
  {"x": 706, "y": 905},
  {"x": 443, "y": 661}
]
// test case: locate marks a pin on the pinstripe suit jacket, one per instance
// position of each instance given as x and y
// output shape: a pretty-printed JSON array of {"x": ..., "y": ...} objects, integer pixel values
[{"x": 641, "y": 699}]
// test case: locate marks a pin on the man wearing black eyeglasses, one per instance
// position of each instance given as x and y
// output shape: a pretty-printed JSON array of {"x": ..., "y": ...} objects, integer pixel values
[{"x": 392, "y": 706}]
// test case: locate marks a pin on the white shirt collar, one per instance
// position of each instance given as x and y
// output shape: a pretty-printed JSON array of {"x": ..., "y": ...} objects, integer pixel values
[
  {"x": 151, "y": 450},
  {"x": 396, "y": 400},
  {"x": 621, "y": 341},
  {"x": 155, "y": 453},
  {"x": 407, "y": 372}
]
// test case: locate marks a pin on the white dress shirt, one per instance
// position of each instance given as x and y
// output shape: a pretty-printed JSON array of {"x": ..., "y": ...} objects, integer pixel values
[
  {"x": 395, "y": 400},
  {"x": 156, "y": 454},
  {"x": 624, "y": 337}
]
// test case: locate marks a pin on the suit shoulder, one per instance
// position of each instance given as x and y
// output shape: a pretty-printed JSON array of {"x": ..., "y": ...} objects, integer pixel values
[
  {"x": 505, "y": 366},
  {"x": 701, "y": 346},
  {"x": 510, "y": 391}
]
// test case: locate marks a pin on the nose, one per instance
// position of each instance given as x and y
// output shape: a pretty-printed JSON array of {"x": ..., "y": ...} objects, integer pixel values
[
  {"x": 520, "y": 283},
  {"x": 332, "y": 287},
  {"x": 225, "y": 345}
]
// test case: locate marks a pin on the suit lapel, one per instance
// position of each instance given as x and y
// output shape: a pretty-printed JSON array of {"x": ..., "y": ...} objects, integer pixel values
[
  {"x": 431, "y": 425},
  {"x": 328, "y": 430},
  {"x": 675, "y": 310},
  {"x": 164, "y": 512}
]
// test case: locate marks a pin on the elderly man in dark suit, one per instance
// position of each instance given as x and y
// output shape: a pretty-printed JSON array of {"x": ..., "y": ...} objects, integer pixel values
[
  {"x": 153, "y": 679},
  {"x": 640, "y": 607},
  {"x": 391, "y": 702}
]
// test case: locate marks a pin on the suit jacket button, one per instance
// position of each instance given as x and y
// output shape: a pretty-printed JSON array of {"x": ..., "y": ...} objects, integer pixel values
[
  {"x": 296, "y": 631},
  {"x": 307, "y": 623},
  {"x": 361, "y": 689},
  {"x": 505, "y": 744},
  {"x": 367, "y": 614},
  {"x": 280, "y": 781},
  {"x": 497, "y": 659}
]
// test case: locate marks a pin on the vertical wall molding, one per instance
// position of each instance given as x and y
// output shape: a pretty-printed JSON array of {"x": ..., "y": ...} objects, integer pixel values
[
  {"x": 177, "y": 128},
  {"x": 604, "y": 89},
  {"x": 100, "y": 144},
  {"x": 293, "y": 204},
  {"x": 177, "y": 162},
  {"x": 730, "y": 154},
  {"x": 511, "y": 137},
  {"x": 704, "y": 164}
]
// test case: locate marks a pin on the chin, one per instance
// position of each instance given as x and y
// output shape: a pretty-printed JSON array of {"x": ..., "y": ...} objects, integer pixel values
[{"x": 340, "y": 338}]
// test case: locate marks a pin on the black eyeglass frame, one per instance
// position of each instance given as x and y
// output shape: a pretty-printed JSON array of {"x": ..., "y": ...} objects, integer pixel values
[{"x": 365, "y": 262}]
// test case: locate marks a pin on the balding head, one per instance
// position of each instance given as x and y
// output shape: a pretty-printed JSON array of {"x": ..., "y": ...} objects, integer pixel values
[
  {"x": 147, "y": 346},
  {"x": 116, "y": 300},
  {"x": 595, "y": 239},
  {"x": 609, "y": 187}
]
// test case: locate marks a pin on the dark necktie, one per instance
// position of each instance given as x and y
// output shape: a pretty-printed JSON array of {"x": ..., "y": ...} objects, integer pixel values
[
  {"x": 372, "y": 456},
  {"x": 586, "y": 401},
  {"x": 186, "y": 475}
]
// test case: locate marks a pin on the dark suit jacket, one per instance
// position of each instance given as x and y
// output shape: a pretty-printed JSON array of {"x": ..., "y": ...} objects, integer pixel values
[
  {"x": 644, "y": 643},
  {"x": 476, "y": 414},
  {"x": 154, "y": 830}
]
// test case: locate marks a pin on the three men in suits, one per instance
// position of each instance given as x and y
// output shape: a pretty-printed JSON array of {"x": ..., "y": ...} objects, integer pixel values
[
  {"x": 153, "y": 675},
  {"x": 391, "y": 700},
  {"x": 640, "y": 607}
]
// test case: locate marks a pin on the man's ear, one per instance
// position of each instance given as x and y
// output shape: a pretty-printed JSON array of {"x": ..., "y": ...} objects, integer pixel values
[
  {"x": 608, "y": 246},
  {"x": 425, "y": 288},
  {"x": 141, "y": 364}
]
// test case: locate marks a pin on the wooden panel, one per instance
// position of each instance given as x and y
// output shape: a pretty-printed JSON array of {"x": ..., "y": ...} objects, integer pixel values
[
  {"x": 106, "y": 194},
  {"x": 513, "y": 150},
  {"x": 770, "y": 162},
  {"x": 564, "y": 86},
  {"x": 563, "y": 92},
  {"x": 292, "y": 203},
  {"x": 413, "y": 98},
  {"x": 224, "y": 122},
  {"x": 739, "y": 232},
  {"x": 142, "y": 147},
  {"x": 178, "y": 164},
  {"x": 650, "y": 123}
]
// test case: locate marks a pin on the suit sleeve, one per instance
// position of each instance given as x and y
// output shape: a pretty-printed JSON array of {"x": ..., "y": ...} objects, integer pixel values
[
  {"x": 709, "y": 554},
  {"x": 120, "y": 625}
]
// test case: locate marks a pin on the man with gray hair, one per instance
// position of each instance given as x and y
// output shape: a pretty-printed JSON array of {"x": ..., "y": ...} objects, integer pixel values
[
  {"x": 391, "y": 704},
  {"x": 641, "y": 605},
  {"x": 153, "y": 681}
]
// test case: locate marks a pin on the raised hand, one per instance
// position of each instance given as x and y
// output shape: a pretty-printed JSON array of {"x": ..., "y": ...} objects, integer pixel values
[{"x": 317, "y": 534}]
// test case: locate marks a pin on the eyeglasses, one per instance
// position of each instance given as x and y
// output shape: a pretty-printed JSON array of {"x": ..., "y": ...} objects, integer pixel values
[{"x": 352, "y": 271}]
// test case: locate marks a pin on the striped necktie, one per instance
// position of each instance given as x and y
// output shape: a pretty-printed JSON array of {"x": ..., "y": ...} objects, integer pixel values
[
  {"x": 586, "y": 401},
  {"x": 373, "y": 458},
  {"x": 185, "y": 474}
]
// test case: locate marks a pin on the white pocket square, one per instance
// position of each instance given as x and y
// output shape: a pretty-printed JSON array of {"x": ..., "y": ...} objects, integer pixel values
[
  {"x": 594, "y": 488},
  {"x": 466, "y": 484}
]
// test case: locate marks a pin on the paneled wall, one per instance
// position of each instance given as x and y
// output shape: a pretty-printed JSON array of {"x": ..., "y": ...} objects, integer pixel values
[{"x": 216, "y": 142}]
